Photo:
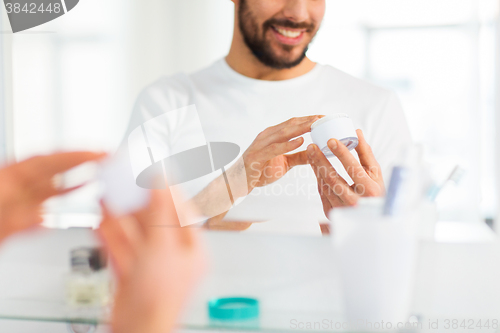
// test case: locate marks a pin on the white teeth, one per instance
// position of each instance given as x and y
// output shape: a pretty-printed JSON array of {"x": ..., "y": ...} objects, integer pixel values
[{"x": 288, "y": 33}]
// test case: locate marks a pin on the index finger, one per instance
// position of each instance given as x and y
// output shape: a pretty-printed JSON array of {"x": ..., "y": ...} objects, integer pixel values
[
  {"x": 160, "y": 221},
  {"x": 293, "y": 122},
  {"x": 288, "y": 130},
  {"x": 50, "y": 165},
  {"x": 35, "y": 175}
]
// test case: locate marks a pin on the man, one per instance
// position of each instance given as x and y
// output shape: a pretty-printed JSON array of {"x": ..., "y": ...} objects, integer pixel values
[{"x": 265, "y": 80}]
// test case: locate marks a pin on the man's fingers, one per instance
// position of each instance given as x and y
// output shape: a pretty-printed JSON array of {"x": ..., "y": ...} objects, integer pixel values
[
  {"x": 299, "y": 158},
  {"x": 277, "y": 149},
  {"x": 323, "y": 168},
  {"x": 293, "y": 122},
  {"x": 328, "y": 202},
  {"x": 53, "y": 191},
  {"x": 328, "y": 198},
  {"x": 117, "y": 243},
  {"x": 336, "y": 190},
  {"x": 326, "y": 172},
  {"x": 292, "y": 131},
  {"x": 327, "y": 205},
  {"x": 51, "y": 165},
  {"x": 160, "y": 210},
  {"x": 160, "y": 221},
  {"x": 169, "y": 214},
  {"x": 37, "y": 173},
  {"x": 19, "y": 216},
  {"x": 366, "y": 157},
  {"x": 285, "y": 131},
  {"x": 351, "y": 165}
]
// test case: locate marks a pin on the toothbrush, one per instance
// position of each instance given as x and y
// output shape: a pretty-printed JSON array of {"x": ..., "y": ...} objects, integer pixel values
[{"x": 455, "y": 177}]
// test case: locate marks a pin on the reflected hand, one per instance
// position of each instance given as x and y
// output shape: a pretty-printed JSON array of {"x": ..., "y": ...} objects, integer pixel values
[
  {"x": 157, "y": 263},
  {"x": 26, "y": 185},
  {"x": 266, "y": 160},
  {"x": 366, "y": 174}
]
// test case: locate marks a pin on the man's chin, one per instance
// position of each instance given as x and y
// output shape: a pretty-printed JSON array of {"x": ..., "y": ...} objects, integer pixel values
[
  {"x": 289, "y": 55},
  {"x": 288, "y": 62},
  {"x": 280, "y": 56}
]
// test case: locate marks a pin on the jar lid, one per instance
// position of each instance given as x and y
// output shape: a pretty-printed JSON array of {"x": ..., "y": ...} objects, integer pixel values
[
  {"x": 87, "y": 259},
  {"x": 326, "y": 119},
  {"x": 233, "y": 308}
]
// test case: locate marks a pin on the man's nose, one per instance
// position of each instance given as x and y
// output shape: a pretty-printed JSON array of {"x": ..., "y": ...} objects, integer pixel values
[{"x": 296, "y": 10}]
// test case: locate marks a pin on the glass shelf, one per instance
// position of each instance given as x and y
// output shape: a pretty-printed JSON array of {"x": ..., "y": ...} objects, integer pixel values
[
  {"x": 51, "y": 311},
  {"x": 195, "y": 319},
  {"x": 290, "y": 287}
]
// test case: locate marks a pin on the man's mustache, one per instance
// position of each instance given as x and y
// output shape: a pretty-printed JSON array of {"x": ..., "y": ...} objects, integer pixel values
[{"x": 289, "y": 24}]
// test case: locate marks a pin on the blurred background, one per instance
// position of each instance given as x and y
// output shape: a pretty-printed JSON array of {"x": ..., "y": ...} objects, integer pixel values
[{"x": 71, "y": 83}]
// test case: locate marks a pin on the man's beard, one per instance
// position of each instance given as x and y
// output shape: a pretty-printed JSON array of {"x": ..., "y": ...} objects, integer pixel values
[{"x": 260, "y": 47}]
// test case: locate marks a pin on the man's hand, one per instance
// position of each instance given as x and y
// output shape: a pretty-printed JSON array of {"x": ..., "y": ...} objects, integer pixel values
[
  {"x": 157, "y": 263},
  {"x": 263, "y": 163},
  {"x": 26, "y": 185},
  {"x": 265, "y": 159},
  {"x": 334, "y": 190}
]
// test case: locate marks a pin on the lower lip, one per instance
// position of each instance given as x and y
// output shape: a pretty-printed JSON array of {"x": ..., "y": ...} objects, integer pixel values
[{"x": 287, "y": 40}]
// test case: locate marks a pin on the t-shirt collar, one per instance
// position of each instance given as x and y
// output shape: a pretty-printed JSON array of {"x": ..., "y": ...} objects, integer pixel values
[{"x": 234, "y": 75}]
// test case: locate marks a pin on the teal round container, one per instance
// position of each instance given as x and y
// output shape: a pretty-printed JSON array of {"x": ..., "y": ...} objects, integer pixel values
[{"x": 233, "y": 308}]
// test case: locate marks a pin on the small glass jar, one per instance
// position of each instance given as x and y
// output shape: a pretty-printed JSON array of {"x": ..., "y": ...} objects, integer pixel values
[{"x": 89, "y": 283}]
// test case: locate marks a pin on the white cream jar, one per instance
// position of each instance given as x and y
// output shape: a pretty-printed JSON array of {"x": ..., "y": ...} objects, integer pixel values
[{"x": 338, "y": 126}]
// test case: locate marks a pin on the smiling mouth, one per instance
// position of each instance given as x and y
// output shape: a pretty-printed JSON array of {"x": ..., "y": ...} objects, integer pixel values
[{"x": 288, "y": 33}]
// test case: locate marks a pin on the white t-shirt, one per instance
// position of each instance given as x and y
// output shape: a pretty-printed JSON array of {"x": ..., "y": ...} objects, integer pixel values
[{"x": 234, "y": 108}]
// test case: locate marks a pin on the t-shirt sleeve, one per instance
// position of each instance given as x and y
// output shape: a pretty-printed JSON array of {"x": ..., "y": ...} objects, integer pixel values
[
  {"x": 165, "y": 123},
  {"x": 152, "y": 127},
  {"x": 388, "y": 134},
  {"x": 155, "y": 101}
]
